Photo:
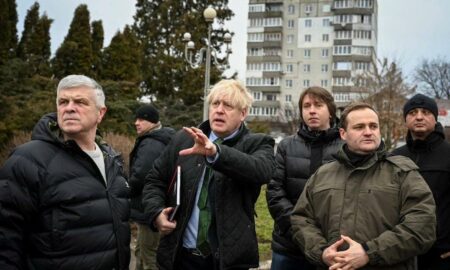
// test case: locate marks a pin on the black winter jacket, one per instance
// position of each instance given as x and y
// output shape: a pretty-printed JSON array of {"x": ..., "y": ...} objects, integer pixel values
[
  {"x": 146, "y": 150},
  {"x": 298, "y": 157},
  {"x": 432, "y": 156},
  {"x": 245, "y": 163},
  {"x": 55, "y": 210}
]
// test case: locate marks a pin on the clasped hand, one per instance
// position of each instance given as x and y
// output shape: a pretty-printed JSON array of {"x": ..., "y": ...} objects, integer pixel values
[{"x": 352, "y": 258}]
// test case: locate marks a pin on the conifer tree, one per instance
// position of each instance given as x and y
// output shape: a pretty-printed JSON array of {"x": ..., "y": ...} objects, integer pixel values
[
  {"x": 8, "y": 30},
  {"x": 34, "y": 45},
  {"x": 122, "y": 58},
  {"x": 98, "y": 37},
  {"x": 75, "y": 55},
  {"x": 160, "y": 26}
]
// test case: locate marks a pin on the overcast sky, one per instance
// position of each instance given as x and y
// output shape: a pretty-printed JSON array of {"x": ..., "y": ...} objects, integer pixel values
[{"x": 408, "y": 30}]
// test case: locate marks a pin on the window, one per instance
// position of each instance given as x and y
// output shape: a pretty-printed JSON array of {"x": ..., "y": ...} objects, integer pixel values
[
  {"x": 271, "y": 97},
  {"x": 290, "y": 39},
  {"x": 257, "y": 95},
  {"x": 291, "y": 9},
  {"x": 289, "y": 68},
  {"x": 325, "y": 38},
  {"x": 291, "y": 24},
  {"x": 308, "y": 9},
  {"x": 326, "y": 22},
  {"x": 324, "y": 83},
  {"x": 288, "y": 98},
  {"x": 326, "y": 8},
  {"x": 307, "y": 68},
  {"x": 324, "y": 52},
  {"x": 290, "y": 53},
  {"x": 324, "y": 68},
  {"x": 342, "y": 50},
  {"x": 308, "y": 23},
  {"x": 288, "y": 83},
  {"x": 306, "y": 83},
  {"x": 308, "y": 38},
  {"x": 307, "y": 53},
  {"x": 342, "y": 66}
]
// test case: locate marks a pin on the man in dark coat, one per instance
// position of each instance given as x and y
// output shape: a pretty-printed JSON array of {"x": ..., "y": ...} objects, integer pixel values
[
  {"x": 427, "y": 147},
  {"x": 151, "y": 141},
  {"x": 298, "y": 157},
  {"x": 214, "y": 227},
  {"x": 63, "y": 196}
]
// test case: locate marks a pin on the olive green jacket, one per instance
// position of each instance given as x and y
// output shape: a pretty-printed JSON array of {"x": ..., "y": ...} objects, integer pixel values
[{"x": 384, "y": 203}]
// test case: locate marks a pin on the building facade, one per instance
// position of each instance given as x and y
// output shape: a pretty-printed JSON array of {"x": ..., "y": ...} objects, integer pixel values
[{"x": 295, "y": 44}]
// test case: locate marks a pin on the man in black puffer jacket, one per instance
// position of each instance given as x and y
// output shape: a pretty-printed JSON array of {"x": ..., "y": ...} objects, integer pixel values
[
  {"x": 214, "y": 227},
  {"x": 298, "y": 157},
  {"x": 427, "y": 147},
  {"x": 63, "y": 196},
  {"x": 150, "y": 143}
]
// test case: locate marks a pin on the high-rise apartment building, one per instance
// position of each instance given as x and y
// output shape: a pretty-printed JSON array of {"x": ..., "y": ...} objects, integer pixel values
[{"x": 294, "y": 44}]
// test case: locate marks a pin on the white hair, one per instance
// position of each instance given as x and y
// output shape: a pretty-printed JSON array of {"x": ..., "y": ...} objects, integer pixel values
[{"x": 73, "y": 81}]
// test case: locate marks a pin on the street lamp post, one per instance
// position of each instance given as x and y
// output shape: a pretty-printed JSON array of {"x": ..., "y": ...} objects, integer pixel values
[{"x": 208, "y": 52}]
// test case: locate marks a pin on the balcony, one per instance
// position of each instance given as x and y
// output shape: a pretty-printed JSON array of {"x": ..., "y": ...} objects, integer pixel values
[{"x": 266, "y": 89}]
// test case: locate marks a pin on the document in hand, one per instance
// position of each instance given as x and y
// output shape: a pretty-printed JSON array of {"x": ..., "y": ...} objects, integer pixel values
[{"x": 176, "y": 190}]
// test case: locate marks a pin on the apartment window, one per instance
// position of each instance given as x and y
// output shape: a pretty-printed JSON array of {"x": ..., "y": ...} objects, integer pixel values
[
  {"x": 291, "y": 24},
  {"x": 324, "y": 52},
  {"x": 306, "y": 83},
  {"x": 307, "y": 68},
  {"x": 324, "y": 68},
  {"x": 307, "y": 53},
  {"x": 288, "y": 98},
  {"x": 256, "y": 8},
  {"x": 290, "y": 53},
  {"x": 271, "y": 97},
  {"x": 308, "y": 38},
  {"x": 290, "y": 39},
  {"x": 342, "y": 50},
  {"x": 326, "y": 8},
  {"x": 257, "y": 95},
  {"x": 308, "y": 9},
  {"x": 326, "y": 22},
  {"x": 325, "y": 38},
  {"x": 324, "y": 83},
  {"x": 288, "y": 83},
  {"x": 291, "y": 9},
  {"x": 342, "y": 66},
  {"x": 308, "y": 23},
  {"x": 255, "y": 37},
  {"x": 289, "y": 68}
]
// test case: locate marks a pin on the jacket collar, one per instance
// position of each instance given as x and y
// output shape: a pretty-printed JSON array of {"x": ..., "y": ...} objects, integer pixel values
[
  {"x": 206, "y": 128},
  {"x": 430, "y": 142}
]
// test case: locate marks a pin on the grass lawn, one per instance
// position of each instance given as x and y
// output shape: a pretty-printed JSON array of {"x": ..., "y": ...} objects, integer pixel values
[{"x": 264, "y": 226}]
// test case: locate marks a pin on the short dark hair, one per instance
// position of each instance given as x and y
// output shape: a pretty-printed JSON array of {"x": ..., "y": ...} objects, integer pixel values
[
  {"x": 322, "y": 95},
  {"x": 354, "y": 106}
]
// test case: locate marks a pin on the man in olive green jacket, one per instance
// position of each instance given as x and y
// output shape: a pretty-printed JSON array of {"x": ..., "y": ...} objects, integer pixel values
[{"x": 366, "y": 210}]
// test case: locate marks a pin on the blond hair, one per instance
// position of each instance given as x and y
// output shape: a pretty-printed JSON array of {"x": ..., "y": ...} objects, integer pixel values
[{"x": 239, "y": 96}]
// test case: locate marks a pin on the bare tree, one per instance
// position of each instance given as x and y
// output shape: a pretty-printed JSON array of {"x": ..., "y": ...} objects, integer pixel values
[
  {"x": 433, "y": 77},
  {"x": 384, "y": 87},
  {"x": 291, "y": 116}
]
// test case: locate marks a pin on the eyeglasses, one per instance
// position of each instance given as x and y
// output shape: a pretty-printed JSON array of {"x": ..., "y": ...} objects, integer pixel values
[{"x": 227, "y": 106}]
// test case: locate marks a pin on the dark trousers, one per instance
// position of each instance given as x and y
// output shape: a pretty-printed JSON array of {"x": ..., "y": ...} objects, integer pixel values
[
  {"x": 285, "y": 262},
  {"x": 189, "y": 260},
  {"x": 432, "y": 261}
]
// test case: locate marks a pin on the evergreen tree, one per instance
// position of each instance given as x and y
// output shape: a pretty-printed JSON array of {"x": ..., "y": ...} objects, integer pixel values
[
  {"x": 31, "y": 20},
  {"x": 8, "y": 30},
  {"x": 34, "y": 45},
  {"x": 98, "y": 37},
  {"x": 160, "y": 26},
  {"x": 75, "y": 55},
  {"x": 122, "y": 58}
]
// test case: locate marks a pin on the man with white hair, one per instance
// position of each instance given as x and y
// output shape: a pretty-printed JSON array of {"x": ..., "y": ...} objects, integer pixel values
[
  {"x": 223, "y": 166},
  {"x": 63, "y": 195}
]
